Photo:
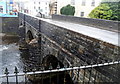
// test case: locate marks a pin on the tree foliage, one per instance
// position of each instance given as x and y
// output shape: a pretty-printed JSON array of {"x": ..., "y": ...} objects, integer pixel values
[
  {"x": 67, "y": 10},
  {"x": 108, "y": 10}
]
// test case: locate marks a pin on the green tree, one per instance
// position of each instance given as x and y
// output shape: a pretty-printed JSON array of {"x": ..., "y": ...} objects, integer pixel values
[
  {"x": 107, "y": 10},
  {"x": 67, "y": 10}
]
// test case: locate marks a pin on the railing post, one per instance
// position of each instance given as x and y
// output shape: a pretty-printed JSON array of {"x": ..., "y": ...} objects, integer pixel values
[
  {"x": 42, "y": 69},
  {"x": 90, "y": 72},
  {"x": 25, "y": 71},
  {"x": 16, "y": 72},
  {"x": 65, "y": 78},
  {"x": 118, "y": 68},
  {"x": 84, "y": 75},
  {"x": 65, "y": 75},
  {"x": 58, "y": 67},
  {"x": 101, "y": 78},
  {"x": 84, "y": 71},
  {"x": 78, "y": 75},
  {"x": 71, "y": 71},
  {"x": 96, "y": 70},
  {"x": 50, "y": 67},
  {"x": 6, "y": 72},
  {"x": 95, "y": 74},
  {"x": 34, "y": 74}
]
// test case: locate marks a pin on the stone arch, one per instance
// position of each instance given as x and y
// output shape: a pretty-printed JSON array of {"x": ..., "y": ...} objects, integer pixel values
[
  {"x": 29, "y": 35},
  {"x": 63, "y": 76},
  {"x": 21, "y": 23},
  {"x": 51, "y": 59}
]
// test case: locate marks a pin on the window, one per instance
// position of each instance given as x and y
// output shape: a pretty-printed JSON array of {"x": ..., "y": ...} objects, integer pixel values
[
  {"x": 46, "y": 3},
  {"x": 83, "y": 2},
  {"x": 45, "y": 8},
  {"x": 93, "y": 3},
  {"x": 39, "y": 8},
  {"x": 39, "y": 2},
  {"x": 34, "y": 7},
  {"x": 72, "y": 2},
  {"x": 82, "y": 14},
  {"x": 1, "y": 9},
  {"x": 34, "y": 2}
]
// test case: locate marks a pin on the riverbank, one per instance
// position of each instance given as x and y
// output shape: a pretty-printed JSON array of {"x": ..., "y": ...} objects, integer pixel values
[
  {"x": 2, "y": 34},
  {"x": 8, "y": 38}
]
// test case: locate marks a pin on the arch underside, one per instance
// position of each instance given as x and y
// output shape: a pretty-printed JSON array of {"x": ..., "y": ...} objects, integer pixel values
[
  {"x": 51, "y": 60},
  {"x": 29, "y": 36}
]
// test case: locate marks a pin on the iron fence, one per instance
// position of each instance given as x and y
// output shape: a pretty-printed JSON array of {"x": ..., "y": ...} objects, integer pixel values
[{"x": 79, "y": 75}]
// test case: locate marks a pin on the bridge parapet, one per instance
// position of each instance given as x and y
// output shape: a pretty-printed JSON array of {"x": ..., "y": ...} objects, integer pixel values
[
  {"x": 98, "y": 23},
  {"x": 33, "y": 21}
]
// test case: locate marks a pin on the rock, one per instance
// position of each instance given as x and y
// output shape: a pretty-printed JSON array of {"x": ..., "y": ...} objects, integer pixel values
[{"x": 33, "y": 41}]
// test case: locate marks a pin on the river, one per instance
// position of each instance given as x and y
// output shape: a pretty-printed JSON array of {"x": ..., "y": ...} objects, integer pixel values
[{"x": 10, "y": 56}]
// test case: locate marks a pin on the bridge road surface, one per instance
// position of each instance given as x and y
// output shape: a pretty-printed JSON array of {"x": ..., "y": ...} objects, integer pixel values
[{"x": 100, "y": 34}]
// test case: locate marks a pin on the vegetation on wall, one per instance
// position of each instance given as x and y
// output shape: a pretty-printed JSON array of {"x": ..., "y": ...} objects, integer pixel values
[
  {"x": 107, "y": 10},
  {"x": 67, "y": 10}
]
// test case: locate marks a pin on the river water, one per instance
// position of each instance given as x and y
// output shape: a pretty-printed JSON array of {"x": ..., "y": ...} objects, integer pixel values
[{"x": 10, "y": 56}]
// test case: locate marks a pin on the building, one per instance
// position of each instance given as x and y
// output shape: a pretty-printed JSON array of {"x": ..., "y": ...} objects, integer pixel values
[
  {"x": 82, "y": 7},
  {"x": 36, "y": 7},
  {"x": 53, "y": 7},
  {"x": 7, "y": 7},
  {"x": 3, "y": 7}
]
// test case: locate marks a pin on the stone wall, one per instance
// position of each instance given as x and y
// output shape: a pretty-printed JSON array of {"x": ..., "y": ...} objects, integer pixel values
[
  {"x": 75, "y": 49},
  {"x": 10, "y": 24},
  {"x": 99, "y": 23}
]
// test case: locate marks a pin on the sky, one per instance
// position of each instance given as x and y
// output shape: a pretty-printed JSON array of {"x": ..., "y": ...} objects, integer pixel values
[
  {"x": 22, "y": 0},
  {"x": 16, "y": 0}
]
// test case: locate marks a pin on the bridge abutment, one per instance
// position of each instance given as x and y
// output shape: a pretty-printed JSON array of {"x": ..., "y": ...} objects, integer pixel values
[{"x": 9, "y": 25}]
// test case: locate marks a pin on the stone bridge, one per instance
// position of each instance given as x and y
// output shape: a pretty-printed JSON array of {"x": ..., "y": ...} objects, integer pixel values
[{"x": 75, "y": 41}]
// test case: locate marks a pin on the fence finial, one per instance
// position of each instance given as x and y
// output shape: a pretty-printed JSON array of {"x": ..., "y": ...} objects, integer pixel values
[
  {"x": 58, "y": 66},
  {"x": 50, "y": 67},
  {"x": 25, "y": 70},
  {"x": 16, "y": 70},
  {"x": 6, "y": 71}
]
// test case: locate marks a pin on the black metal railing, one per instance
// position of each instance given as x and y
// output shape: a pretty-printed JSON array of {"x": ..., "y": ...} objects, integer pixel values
[{"x": 82, "y": 74}]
